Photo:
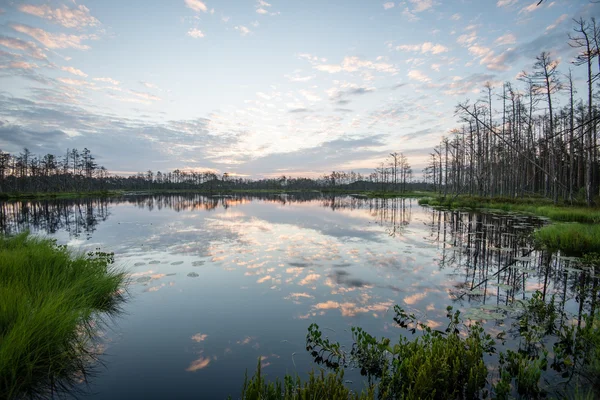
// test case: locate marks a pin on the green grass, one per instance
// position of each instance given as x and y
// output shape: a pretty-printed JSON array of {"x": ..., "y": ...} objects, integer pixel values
[
  {"x": 570, "y": 238},
  {"x": 52, "y": 302},
  {"x": 318, "y": 386},
  {"x": 536, "y": 206}
]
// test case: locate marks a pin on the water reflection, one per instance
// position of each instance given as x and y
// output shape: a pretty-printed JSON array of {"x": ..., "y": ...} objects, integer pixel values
[{"x": 241, "y": 277}]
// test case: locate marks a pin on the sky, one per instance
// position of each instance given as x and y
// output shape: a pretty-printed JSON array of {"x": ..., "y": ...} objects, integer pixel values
[{"x": 257, "y": 88}]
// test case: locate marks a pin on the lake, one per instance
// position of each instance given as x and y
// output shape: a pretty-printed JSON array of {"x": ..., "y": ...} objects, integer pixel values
[{"x": 218, "y": 282}]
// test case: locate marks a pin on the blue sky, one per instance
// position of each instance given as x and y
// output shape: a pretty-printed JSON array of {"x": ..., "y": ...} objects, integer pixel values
[{"x": 260, "y": 88}]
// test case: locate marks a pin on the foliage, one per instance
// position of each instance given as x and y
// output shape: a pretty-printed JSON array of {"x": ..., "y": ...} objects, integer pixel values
[
  {"x": 569, "y": 238},
  {"x": 321, "y": 386},
  {"x": 532, "y": 205},
  {"x": 437, "y": 364},
  {"x": 51, "y": 307}
]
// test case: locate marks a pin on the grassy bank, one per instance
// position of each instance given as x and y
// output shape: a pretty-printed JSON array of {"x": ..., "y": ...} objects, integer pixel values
[
  {"x": 51, "y": 303},
  {"x": 58, "y": 195},
  {"x": 536, "y": 206}
]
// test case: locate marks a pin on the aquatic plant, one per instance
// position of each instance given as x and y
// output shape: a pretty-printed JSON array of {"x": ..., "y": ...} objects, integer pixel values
[
  {"x": 570, "y": 238},
  {"x": 319, "y": 386},
  {"x": 52, "y": 304}
]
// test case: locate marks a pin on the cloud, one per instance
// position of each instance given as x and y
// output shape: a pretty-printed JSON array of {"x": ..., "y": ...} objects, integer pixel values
[
  {"x": 201, "y": 362},
  {"x": 455, "y": 17},
  {"x": 78, "y": 17},
  {"x": 388, "y": 5},
  {"x": 74, "y": 71},
  {"x": 149, "y": 85},
  {"x": 347, "y": 89},
  {"x": 424, "y": 48},
  {"x": 298, "y": 78},
  {"x": 467, "y": 38},
  {"x": 418, "y": 76},
  {"x": 261, "y": 8},
  {"x": 28, "y": 47},
  {"x": 421, "y": 5},
  {"x": 19, "y": 65},
  {"x": 243, "y": 30},
  {"x": 75, "y": 82},
  {"x": 506, "y": 3},
  {"x": 195, "y": 33},
  {"x": 310, "y": 96},
  {"x": 354, "y": 64},
  {"x": 530, "y": 8},
  {"x": 54, "y": 40},
  {"x": 108, "y": 80},
  {"x": 196, "y": 5},
  {"x": 558, "y": 21},
  {"x": 145, "y": 96},
  {"x": 506, "y": 39}
]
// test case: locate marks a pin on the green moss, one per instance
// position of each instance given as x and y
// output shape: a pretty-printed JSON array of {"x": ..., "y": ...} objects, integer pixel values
[{"x": 51, "y": 305}]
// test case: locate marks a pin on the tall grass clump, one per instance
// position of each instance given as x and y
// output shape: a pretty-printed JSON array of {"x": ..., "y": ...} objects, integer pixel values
[
  {"x": 318, "y": 386},
  {"x": 570, "y": 238},
  {"x": 52, "y": 302}
]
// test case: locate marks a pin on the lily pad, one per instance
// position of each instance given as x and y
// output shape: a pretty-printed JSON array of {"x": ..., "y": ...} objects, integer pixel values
[
  {"x": 154, "y": 262},
  {"x": 193, "y": 275},
  {"x": 177, "y": 263},
  {"x": 143, "y": 279},
  {"x": 139, "y": 264},
  {"x": 197, "y": 263}
]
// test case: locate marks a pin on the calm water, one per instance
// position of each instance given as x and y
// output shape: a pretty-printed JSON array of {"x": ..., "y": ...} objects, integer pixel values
[{"x": 217, "y": 283}]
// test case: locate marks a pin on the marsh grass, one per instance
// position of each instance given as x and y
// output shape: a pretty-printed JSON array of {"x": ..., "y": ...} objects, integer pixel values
[
  {"x": 318, "y": 386},
  {"x": 570, "y": 238},
  {"x": 52, "y": 302},
  {"x": 536, "y": 206}
]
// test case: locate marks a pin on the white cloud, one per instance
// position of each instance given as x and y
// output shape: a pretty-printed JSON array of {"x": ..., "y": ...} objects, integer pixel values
[
  {"x": 388, "y": 5},
  {"x": 354, "y": 64},
  {"x": 19, "y": 65},
  {"x": 558, "y": 21},
  {"x": 262, "y": 11},
  {"x": 145, "y": 96},
  {"x": 505, "y": 3},
  {"x": 108, "y": 80},
  {"x": 78, "y": 17},
  {"x": 530, "y": 8},
  {"x": 418, "y": 76},
  {"x": 31, "y": 48},
  {"x": 467, "y": 39},
  {"x": 195, "y": 33},
  {"x": 74, "y": 71},
  {"x": 243, "y": 30},
  {"x": 54, "y": 40},
  {"x": 310, "y": 96},
  {"x": 455, "y": 17},
  {"x": 149, "y": 85},
  {"x": 75, "y": 82},
  {"x": 426, "y": 47},
  {"x": 506, "y": 39},
  {"x": 421, "y": 5},
  {"x": 196, "y": 5}
]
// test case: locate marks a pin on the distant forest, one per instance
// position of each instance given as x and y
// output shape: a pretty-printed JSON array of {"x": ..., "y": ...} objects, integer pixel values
[
  {"x": 77, "y": 171},
  {"x": 514, "y": 142}
]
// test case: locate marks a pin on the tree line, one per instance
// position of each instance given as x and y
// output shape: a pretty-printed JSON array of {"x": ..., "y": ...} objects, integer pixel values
[
  {"x": 516, "y": 142},
  {"x": 78, "y": 171}
]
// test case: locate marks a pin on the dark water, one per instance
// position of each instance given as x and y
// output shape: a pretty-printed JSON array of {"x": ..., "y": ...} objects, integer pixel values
[{"x": 217, "y": 283}]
